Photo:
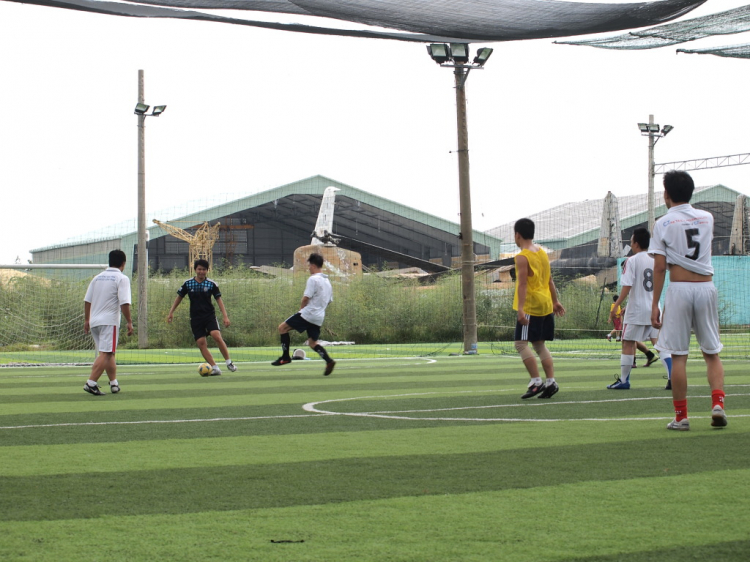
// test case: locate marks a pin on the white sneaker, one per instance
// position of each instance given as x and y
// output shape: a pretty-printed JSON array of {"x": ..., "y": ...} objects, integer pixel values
[
  {"x": 231, "y": 366},
  {"x": 682, "y": 425},
  {"x": 215, "y": 371},
  {"x": 718, "y": 417}
]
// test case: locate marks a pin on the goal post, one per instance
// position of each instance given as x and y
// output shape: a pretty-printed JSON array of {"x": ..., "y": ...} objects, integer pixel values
[{"x": 42, "y": 313}]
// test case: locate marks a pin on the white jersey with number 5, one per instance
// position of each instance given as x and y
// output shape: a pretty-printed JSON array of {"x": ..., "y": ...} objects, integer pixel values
[
  {"x": 638, "y": 274},
  {"x": 684, "y": 236}
]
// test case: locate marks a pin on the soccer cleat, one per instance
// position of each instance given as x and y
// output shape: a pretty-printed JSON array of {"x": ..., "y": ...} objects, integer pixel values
[
  {"x": 549, "y": 390},
  {"x": 669, "y": 385},
  {"x": 619, "y": 385},
  {"x": 718, "y": 417},
  {"x": 281, "y": 361},
  {"x": 533, "y": 390},
  {"x": 609, "y": 337},
  {"x": 114, "y": 388},
  {"x": 95, "y": 390},
  {"x": 231, "y": 366},
  {"x": 682, "y": 425},
  {"x": 215, "y": 371},
  {"x": 651, "y": 359},
  {"x": 329, "y": 368}
]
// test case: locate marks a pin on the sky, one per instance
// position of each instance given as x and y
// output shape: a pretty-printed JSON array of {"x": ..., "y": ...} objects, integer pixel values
[{"x": 251, "y": 109}]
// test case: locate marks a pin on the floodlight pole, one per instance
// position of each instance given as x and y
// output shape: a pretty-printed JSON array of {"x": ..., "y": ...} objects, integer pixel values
[
  {"x": 651, "y": 167},
  {"x": 467, "y": 239},
  {"x": 142, "y": 251}
]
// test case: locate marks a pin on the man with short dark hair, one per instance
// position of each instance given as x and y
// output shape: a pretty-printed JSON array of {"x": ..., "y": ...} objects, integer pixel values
[
  {"x": 536, "y": 304},
  {"x": 316, "y": 298},
  {"x": 637, "y": 285},
  {"x": 203, "y": 320},
  {"x": 682, "y": 242},
  {"x": 107, "y": 296}
]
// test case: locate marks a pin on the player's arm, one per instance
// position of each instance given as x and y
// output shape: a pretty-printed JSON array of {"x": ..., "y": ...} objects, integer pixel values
[
  {"x": 557, "y": 308},
  {"x": 86, "y": 317},
  {"x": 618, "y": 303},
  {"x": 125, "y": 308},
  {"x": 175, "y": 304},
  {"x": 522, "y": 281},
  {"x": 223, "y": 311},
  {"x": 660, "y": 273},
  {"x": 304, "y": 303}
]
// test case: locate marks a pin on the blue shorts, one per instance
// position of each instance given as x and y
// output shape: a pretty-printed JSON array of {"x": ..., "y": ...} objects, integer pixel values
[
  {"x": 301, "y": 325},
  {"x": 540, "y": 328}
]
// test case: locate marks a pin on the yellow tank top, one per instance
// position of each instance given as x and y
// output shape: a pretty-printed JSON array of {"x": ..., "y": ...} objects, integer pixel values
[{"x": 538, "y": 297}]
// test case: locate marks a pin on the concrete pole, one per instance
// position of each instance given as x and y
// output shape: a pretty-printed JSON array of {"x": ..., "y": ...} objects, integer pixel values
[
  {"x": 651, "y": 166},
  {"x": 467, "y": 241},
  {"x": 142, "y": 252}
]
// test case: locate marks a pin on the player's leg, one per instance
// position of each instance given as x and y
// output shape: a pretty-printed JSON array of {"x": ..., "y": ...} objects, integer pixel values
[
  {"x": 222, "y": 345},
  {"x": 202, "y": 344},
  {"x": 286, "y": 341},
  {"x": 313, "y": 333},
  {"x": 627, "y": 356},
  {"x": 545, "y": 357},
  {"x": 706, "y": 328},
  {"x": 101, "y": 344}
]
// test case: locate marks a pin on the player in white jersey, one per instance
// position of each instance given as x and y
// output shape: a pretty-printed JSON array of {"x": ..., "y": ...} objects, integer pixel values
[
  {"x": 107, "y": 295},
  {"x": 637, "y": 286},
  {"x": 682, "y": 242}
]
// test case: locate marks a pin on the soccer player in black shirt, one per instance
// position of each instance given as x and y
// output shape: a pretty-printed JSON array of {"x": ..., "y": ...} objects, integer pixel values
[{"x": 203, "y": 320}]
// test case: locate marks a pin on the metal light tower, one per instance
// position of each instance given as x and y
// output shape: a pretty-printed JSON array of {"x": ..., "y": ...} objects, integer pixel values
[
  {"x": 141, "y": 110},
  {"x": 456, "y": 56},
  {"x": 654, "y": 133}
]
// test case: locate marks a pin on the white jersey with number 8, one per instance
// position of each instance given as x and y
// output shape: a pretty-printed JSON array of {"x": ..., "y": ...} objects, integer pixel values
[
  {"x": 638, "y": 274},
  {"x": 684, "y": 236}
]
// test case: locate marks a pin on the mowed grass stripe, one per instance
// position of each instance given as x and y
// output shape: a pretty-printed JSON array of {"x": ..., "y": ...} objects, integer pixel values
[
  {"x": 268, "y": 449},
  {"x": 185, "y": 490},
  {"x": 426, "y": 527}
]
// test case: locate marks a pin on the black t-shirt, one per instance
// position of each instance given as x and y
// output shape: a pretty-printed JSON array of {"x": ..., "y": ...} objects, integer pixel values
[{"x": 200, "y": 296}]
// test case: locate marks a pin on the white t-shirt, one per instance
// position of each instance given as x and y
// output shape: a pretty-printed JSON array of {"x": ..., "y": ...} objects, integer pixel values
[
  {"x": 638, "y": 274},
  {"x": 320, "y": 293},
  {"x": 684, "y": 236},
  {"x": 107, "y": 292}
]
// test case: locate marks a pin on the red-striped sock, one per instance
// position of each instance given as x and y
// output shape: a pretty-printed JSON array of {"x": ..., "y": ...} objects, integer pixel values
[
  {"x": 680, "y": 409},
  {"x": 717, "y": 398}
]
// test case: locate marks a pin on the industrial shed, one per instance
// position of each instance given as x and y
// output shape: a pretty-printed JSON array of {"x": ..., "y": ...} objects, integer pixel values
[{"x": 266, "y": 228}]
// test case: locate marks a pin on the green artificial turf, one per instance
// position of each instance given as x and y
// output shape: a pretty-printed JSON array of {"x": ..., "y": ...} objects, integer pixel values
[{"x": 403, "y": 459}]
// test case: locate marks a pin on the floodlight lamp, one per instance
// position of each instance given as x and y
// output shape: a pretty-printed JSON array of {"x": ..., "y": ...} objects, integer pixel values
[
  {"x": 141, "y": 108},
  {"x": 460, "y": 52},
  {"x": 653, "y": 128},
  {"x": 667, "y": 128},
  {"x": 438, "y": 52},
  {"x": 643, "y": 127},
  {"x": 482, "y": 55},
  {"x": 158, "y": 110}
]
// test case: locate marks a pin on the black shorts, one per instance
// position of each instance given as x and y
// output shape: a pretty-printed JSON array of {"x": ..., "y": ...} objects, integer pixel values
[
  {"x": 540, "y": 328},
  {"x": 203, "y": 327},
  {"x": 301, "y": 325}
]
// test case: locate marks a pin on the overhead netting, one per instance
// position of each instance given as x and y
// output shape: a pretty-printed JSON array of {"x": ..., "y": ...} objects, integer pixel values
[
  {"x": 422, "y": 20},
  {"x": 733, "y": 51},
  {"x": 730, "y": 22}
]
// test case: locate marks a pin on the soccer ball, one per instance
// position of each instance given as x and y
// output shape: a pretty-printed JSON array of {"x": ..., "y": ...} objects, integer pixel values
[{"x": 204, "y": 369}]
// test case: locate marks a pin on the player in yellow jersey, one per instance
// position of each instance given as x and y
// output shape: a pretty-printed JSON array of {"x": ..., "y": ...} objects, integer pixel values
[{"x": 536, "y": 302}]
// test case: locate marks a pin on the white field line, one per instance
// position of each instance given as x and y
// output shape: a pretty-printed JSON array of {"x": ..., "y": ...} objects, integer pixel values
[{"x": 341, "y": 364}]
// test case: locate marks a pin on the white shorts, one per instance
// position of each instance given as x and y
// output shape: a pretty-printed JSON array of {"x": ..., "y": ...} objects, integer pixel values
[
  {"x": 105, "y": 338},
  {"x": 690, "y": 305},
  {"x": 639, "y": 332}
]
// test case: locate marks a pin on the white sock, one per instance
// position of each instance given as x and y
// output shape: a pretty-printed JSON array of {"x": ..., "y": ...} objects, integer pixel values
[
  {"x": 535, "y": 381},
  {"x": 626, "y": 365},
  {"x": 91, "y": 383},
  {"x": 550, "y": 381},
  {"x": 229, "y": 361},
  {"x": 113, "y": 383}
]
